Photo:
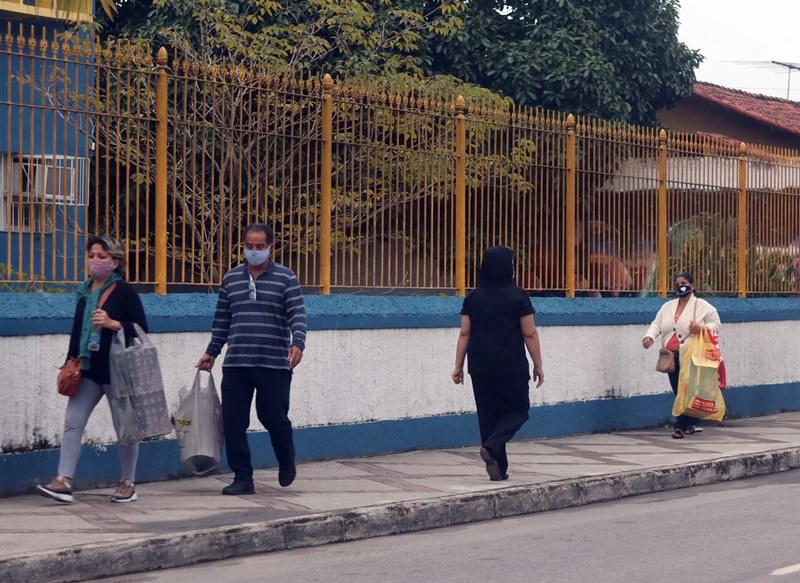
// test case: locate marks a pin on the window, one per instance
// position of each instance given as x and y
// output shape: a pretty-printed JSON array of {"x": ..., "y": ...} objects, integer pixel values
[
  {"x": 57, "y": 9},
  {"x": 37, "y": 189}
]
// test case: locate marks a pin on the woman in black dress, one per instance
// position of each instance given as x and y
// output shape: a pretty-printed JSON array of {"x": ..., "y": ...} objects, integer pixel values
[{"x": 497, "y": 326}]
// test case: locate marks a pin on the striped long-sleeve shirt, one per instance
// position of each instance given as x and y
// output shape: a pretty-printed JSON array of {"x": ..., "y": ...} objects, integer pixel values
[{"x": 259, "y": 331}]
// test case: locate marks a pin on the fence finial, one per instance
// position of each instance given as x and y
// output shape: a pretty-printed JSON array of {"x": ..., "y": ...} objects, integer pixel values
[
  {"x": 161, "y": 58},
  {"x": 327, "y": 82},
  {"x": 460, "y": 104},
  {"x": 662, "y": 136},
  {"x": 570, "y": 123},
  {"x": 742, "y": 149}
]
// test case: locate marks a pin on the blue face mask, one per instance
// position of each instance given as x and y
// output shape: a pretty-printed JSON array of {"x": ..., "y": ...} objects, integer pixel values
[{"x": 256, "y": 257}]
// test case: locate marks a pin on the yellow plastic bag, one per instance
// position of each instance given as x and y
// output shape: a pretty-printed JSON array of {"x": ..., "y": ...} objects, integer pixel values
[{"x": 698, "y": 382}]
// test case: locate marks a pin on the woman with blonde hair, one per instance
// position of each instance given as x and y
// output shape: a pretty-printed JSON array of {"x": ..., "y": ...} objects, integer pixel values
[{"x": 106, "y": 304}]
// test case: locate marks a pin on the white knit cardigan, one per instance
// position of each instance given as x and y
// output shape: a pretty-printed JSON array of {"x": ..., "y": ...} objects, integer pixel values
[{"x": 665, "y": 326}]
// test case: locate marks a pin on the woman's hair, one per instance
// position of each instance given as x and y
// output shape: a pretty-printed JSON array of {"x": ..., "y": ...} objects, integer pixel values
[
  {"x": 113, "y": 247},
  {"x": 497, "y": 267},
  {"x": 684, "y": 274}
]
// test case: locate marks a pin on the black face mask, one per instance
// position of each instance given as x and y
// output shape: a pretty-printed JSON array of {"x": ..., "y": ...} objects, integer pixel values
[{"x": 683, "y": 290}]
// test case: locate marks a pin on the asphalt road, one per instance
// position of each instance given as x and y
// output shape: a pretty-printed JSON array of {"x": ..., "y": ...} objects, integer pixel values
[{"x": 744, "y": 531}]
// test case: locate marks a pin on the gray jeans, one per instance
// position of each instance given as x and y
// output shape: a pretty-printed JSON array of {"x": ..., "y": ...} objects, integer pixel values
[{"x": 78, "y": 410}]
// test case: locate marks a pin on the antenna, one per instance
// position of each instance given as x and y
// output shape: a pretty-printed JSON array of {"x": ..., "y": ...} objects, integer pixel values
[
  {"x": 790, "y": 67},
  {"x": 773, "y": 64}
]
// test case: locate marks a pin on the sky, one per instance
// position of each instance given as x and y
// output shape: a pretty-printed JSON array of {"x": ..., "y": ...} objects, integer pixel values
[{"x": 734, "y": 35}]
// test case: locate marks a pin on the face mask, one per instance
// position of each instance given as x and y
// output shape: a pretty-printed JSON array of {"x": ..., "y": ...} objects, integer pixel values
[
  {"x": 256, "y": 257},
  {"x": 683, "y": 290},
  {"x": 101, "y": 268}
]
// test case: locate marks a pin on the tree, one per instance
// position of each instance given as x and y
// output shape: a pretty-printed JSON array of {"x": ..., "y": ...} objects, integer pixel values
[
  {"x": 339, "y": 37},
  {"x": 614, "y": 59},
  {"x": 245, "y": 130}
]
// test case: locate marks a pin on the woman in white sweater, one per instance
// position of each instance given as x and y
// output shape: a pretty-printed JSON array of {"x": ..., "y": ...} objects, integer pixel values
[{"x": 675, "y": 322}]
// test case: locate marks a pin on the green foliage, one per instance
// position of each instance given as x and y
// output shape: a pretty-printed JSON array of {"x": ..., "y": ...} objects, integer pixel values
[
  {"x": 706, "y": 246},
  {"x": 12, "y": 280},
  {"x": 341, "y": 37},
  {"x": 392, "y": 168},
  {"x": 614, "y": 59},
  {"x": 246, "y": 125}
]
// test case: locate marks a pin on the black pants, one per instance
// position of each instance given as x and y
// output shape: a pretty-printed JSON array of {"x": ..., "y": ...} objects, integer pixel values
[
  {"x": 682, "y": 422},
  {"x": 503, "y": 404},
  {"x": 271, "y": 387}
]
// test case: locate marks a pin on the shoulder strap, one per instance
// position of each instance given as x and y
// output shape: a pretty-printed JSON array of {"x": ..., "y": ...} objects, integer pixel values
[
  {"x": 105, "y": 295},
  {"x": 694, "y": 318}
]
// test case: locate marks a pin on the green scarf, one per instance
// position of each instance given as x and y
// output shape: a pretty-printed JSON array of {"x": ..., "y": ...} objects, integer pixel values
[{"x": 92, "y": 298}]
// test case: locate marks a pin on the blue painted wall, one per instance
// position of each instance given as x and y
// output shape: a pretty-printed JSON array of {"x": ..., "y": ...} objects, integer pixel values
[
  {"x": 30, "y": 124},
  {"x": 25, "y": 314},
  {"x": 27, "y": 127},
  {"x": 63, "y": 260}
]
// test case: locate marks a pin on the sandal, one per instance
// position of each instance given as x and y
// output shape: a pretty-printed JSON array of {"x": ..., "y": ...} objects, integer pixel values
[{"x": 677, "y": 434}]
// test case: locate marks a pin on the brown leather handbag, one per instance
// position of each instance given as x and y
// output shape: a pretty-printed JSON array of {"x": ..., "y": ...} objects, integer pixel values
[
  {"x": 69, "y": 375},
  {"x": 666, "y": 361},
  {"x": 666, "y": 358}
]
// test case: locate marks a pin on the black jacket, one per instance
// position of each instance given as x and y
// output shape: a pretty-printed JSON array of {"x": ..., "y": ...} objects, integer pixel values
[{"x": 123, "y": 305}]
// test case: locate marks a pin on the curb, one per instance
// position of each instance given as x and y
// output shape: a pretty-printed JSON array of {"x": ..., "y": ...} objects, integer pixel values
[{"x": 98, "y": 560}]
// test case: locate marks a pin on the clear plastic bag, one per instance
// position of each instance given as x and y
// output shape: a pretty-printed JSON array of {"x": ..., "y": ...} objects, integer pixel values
[
  {"x": 137, "y": 388},
  {"x": 198, "y": 426}
]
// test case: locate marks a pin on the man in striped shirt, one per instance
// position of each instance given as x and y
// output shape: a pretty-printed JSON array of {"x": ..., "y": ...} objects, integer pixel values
[{"x": 261, "y": 316}]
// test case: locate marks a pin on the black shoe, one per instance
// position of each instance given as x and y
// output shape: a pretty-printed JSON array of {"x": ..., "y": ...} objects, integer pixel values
[
  {"x": 239, "y": 488},
  {"x": 286, "y": 474},
  {"x": 491, "y": 465}
]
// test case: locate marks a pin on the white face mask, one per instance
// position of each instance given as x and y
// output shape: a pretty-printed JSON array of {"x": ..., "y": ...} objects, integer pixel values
[{"x": 256, "y": 257}]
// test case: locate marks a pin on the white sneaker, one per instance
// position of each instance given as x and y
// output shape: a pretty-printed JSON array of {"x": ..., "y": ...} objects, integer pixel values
[{"x": 59, "y": 490}]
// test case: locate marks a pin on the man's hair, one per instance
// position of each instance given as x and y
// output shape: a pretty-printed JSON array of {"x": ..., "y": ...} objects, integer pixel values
[{"x": 261, "y": 228}]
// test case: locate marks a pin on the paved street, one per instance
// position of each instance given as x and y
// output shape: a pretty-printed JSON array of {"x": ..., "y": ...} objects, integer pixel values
[{"x": 736, "y": 532}]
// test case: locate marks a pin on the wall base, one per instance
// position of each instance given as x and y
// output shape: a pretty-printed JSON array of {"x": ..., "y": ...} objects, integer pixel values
[{"x": 158, "y": 460}]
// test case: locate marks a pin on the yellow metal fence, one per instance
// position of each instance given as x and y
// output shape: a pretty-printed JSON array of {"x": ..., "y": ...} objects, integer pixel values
[{"x": 368, "y": 187}]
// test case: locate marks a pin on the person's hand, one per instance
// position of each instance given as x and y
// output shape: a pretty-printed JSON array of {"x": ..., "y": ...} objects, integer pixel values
[
  {"x": 538, "y": 376},
  {"x": 458, "y": 375},
  {"x": 206, "y": 363},
  {"x": 100, "y": 318},
  {"x": 647, "y": 342},
  {"x": 695, "y": 328},
  {"x": 295, "y": 356}
]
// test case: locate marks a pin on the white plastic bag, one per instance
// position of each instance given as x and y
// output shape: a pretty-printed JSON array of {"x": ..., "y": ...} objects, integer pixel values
[{"x": 198, "y": 426}]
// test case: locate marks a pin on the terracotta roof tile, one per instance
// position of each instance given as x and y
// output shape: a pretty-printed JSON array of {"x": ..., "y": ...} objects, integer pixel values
[{"x": 773, "y": 111}]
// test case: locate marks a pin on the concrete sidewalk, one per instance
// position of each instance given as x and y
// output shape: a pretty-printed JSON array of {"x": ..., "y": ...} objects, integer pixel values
[{"x": 187, "y": 521}]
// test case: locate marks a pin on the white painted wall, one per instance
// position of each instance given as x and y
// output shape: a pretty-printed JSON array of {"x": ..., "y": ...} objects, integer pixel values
[{"x": 351, "y": 376}]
